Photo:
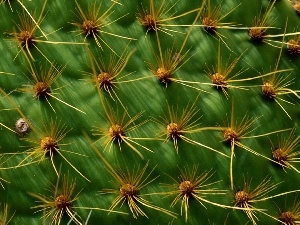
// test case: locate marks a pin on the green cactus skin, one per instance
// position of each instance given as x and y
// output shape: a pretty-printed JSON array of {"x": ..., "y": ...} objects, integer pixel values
[{"x": 162, "y": 90}]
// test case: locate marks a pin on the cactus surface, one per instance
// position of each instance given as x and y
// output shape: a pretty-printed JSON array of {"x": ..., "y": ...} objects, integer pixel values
[{"x": 149, "y": 112}]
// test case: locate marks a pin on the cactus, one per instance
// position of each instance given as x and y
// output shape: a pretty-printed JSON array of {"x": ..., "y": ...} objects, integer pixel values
[{"x": 156, "y": 112}]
